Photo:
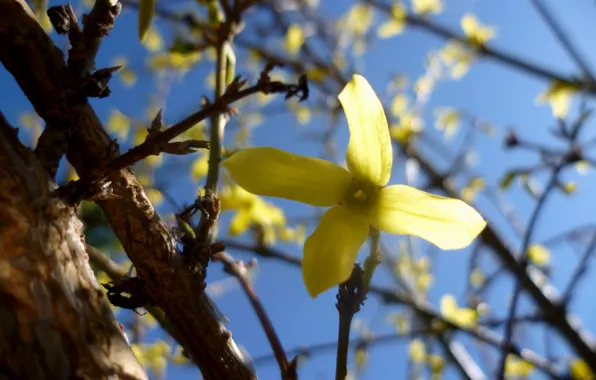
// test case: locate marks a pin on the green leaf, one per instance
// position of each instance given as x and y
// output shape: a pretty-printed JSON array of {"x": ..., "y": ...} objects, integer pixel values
[{"x": 146, "y": 12}]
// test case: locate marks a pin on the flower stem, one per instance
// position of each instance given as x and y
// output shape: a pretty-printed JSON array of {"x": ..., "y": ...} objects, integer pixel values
[
  {"x": 217, "y": 121},
  {"x": 374, "y": 257}
]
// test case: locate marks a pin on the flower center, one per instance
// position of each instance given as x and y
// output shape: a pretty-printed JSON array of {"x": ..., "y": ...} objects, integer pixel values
[{"x": 359, "y": 195}]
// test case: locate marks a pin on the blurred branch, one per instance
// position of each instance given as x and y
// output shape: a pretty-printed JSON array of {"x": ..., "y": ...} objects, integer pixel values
[
  {"x": 509, "y": 327},
  {"x": 491, "y": 52},
  {"x": 425, "y": 309},
  {"x": 550, "y": 20},
  {"x": 580, "y": 271},
  {"x": 462, "y": 359},
  {"x": 238, "y": 270}
]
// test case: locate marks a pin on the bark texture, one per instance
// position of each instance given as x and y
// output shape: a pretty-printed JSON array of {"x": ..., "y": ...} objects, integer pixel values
[
  {"x": 54, "y": 320},
  {"x": 40, "y": 70}
]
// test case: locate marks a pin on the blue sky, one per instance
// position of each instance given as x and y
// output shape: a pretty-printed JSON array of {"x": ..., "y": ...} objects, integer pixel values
[{"x": 499, "y": 94}]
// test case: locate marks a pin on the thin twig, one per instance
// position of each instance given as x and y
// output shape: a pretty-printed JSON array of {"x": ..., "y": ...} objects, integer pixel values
[
  {"x": 562, "y": 37},
  {"x": 524, "y": 263},
  {"x": 238, "y": 270},
  {"x": 580, "y": 270}
]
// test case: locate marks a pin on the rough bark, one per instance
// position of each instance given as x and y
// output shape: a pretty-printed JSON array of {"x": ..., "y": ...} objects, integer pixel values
[
  {"x": 40, "y": 70},
  {"x": 54, "y": 320}
]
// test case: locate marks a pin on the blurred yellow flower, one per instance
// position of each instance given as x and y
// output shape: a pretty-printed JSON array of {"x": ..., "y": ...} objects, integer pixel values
[
  {"x": 395, "y": 25},
  {"x": 477, "y": 34},
  {"x": 463, "y": 317},
  {"x": 558, "y": 95}
]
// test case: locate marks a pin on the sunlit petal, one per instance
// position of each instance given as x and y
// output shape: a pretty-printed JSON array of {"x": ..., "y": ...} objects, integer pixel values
[
  {"x": 369, "y": 156},
  {"x": 330, "y": 252},
  {"x": 273, "y": 172},
  {"x": 446, "y": 222}
]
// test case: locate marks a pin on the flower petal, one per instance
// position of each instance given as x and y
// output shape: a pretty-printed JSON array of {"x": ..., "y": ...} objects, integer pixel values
[
  {"x": 446, "y": 222},
  {"x": 330, "y": 252},
  {"x": 369, "y": 156},
  {"x": 273, "y": 172}
]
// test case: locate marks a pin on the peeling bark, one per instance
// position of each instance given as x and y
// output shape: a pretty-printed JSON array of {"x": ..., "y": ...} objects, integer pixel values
[{"x": 54, "y": 321}]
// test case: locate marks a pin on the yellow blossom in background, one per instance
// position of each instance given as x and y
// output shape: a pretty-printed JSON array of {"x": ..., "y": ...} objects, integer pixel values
[
  {"x": 361, "y": 357},
  {"x": 33, "y": 123},
  {"x": 558, "y": 95},
  {"x": 538, "y": 254},
  {"x": 152, "y": 356},
  {"x": 580, "y": 370},
  {"x": 463, "y": 317},
  {"x": 457, "y": 57},
  {"x": 471, "y": 190},
  {"x": 359, "y": 46},
  {"x": 409, "y": 126},
  {"x": 294, "y": 39},
  {"x": 400, "y": 321},
  {"x": 424, "y": 85},
  {"x": 477, "y": 34},
  {"x": 155, "y": 196},
  {"x": 396, "y": 24},
  {"x": 200, "y": 167},
  {"x": 399, "y": 105},
  {"x": 417, "y": 351},
  {"x": 359, "y": 196},
  {"x": 126, "y": 75},
  {"x": 423, "y": 7},
  {"x": 316, "y": 74},
  {"x": 153, "y": 41},
  {"x": 210, "y": 80},
  {"x": 358, "y": 19},
  {"x": 447, "y": 120},
  {"x": 477, "y": 278},
  {"x": 118, "y": 124},
  {"x": 517, "y": 368},
  {"x": 72, "y": 174},
  {"x": 303, "y": 113},
  {"x": 154, "y": 160},
  {"x": 180, "y": 62},
  {"x": 582, "y": 166},
  {"x": 250, "y": 209},
  {"x": 437, "y": 365}
]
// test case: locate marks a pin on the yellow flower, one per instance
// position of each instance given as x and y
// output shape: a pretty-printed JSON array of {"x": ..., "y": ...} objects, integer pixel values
[
  {"x": 396, "y": 25},
  {"x": 580, "y": 370},
  {"x": 423, "y": 7},
  {"x": 459, "y": 316},
  {"x": 294, "y": 39},
  {"x": 517, "y": 368},
  {"x": 358, "y": 196},
  {"x": 417, "y": 351},
  {"x": 538, "y": 254},
  {"x": 559, "y": 94},
  {"x": 249, "y": 209},
  {"x": 477, "y": 33}
]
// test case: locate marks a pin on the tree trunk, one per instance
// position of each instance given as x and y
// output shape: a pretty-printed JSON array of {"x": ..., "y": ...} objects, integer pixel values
[{"x": 54, "y": 321}]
